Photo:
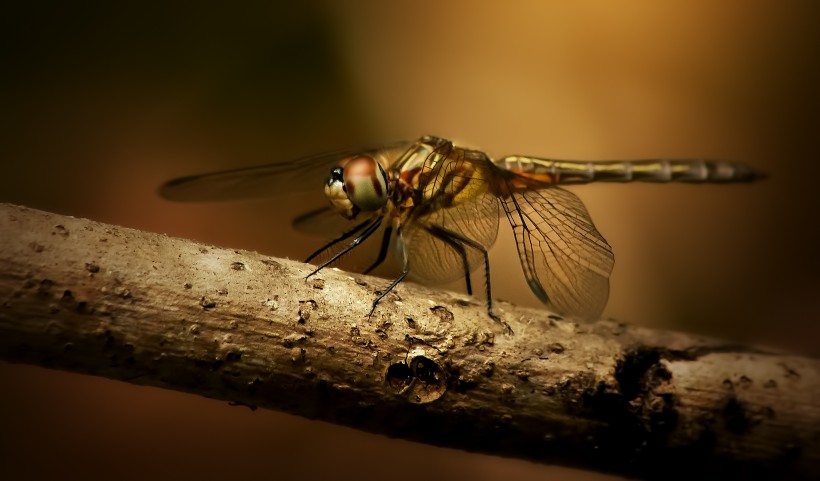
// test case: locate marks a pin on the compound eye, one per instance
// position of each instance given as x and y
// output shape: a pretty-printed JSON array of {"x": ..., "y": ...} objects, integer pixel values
[
  {"x": 336, "y": 193},
  {"x": 366, "y": 183}
]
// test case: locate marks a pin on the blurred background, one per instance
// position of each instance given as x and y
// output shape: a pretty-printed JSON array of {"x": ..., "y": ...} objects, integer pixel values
[{"x": 103, "y": 101}]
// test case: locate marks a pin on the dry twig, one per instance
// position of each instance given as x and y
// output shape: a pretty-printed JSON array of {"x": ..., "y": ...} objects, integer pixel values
[{"x": 243, "y": 327}]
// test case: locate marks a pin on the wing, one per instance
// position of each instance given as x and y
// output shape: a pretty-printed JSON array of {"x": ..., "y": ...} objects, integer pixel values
[
  {"x": 302, "y": 175},
  {"x": 434, "y": 260},
  {"x": 458, "y": 198},
  {"x": 566, "y": 261},
  {"x": 323, "y": 222}
]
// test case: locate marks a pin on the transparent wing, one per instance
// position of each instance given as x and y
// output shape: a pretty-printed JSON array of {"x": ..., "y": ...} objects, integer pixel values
[
  {"x": 459, "y": 200},
  {"x": 566, "y": 261},
  {"x": 302, "y": 175},
  {"x": 323, "y": 222},
  {"x": 434, "y": 260}
]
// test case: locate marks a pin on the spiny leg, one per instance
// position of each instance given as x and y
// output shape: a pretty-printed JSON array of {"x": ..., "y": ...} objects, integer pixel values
[
  {"x": 382, "y": 250},
  {"x": 405, "y": 269},
  {"x": 458, "y": 246},
  {"x": 455, "y": 237},
  {"x": 345, "y": 235},
  {"x": 369, "y": 230}
]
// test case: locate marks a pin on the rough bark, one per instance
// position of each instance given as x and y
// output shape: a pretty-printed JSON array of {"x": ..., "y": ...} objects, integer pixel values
[{"x": 428, "y": 365}]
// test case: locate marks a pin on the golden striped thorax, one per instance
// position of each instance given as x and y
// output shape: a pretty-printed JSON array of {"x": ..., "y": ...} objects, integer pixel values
[{"x": 437, "y": 174}]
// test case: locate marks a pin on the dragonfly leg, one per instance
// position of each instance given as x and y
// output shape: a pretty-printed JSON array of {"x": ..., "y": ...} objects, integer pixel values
[
  {"x": 405, "y": 269},
  {"x": 382, "y": 251},
  {"x": 458, "y": 246},
  {"x": 368, "y": 231},
  {"x": 345, "y": 235},
  {"x": 456, "y": 238}
]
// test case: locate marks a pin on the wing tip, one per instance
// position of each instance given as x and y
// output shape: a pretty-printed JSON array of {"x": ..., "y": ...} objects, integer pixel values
[{"x": 171, "y": 190}]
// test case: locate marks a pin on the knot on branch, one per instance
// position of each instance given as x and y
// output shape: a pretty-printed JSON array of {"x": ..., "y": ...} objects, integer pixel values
[{"x": 420, "y": 381}]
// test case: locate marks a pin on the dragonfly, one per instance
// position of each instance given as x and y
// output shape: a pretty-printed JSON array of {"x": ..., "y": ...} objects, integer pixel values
[{"x": 439, "y": 206}]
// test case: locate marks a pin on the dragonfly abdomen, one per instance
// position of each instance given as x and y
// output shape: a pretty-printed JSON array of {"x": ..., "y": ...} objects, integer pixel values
[{"x": 657, "y": 170}]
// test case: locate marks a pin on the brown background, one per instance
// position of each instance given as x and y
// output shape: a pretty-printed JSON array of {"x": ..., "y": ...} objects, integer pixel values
[{"x": 103, "y": 102}]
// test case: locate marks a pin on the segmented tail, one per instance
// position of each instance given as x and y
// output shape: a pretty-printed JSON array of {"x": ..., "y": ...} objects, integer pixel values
[{"x": 656, "y": 170}]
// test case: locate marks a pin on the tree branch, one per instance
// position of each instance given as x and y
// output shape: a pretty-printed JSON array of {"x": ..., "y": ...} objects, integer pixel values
[{"x": 428, "y": 366}]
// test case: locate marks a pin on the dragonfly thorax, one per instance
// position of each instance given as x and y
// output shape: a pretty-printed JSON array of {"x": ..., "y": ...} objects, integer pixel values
[{"x": 359, "y": 184}]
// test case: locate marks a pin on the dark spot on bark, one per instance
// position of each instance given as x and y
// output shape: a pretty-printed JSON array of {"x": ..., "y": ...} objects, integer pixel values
[
  {"x": 68, "y": 296},
  {"x": 44, "y": 289},
  {"x": 427, "y": 370},
  {"x": 318, "y": 284},
  {"x": 36, "y": 247},
  {"x": 639, "y": 370},
  {"x": 398, "y": 376},
  {"x": 744, "y": 382},
  {"x": 207, "y": 303},
  {"x": 420, "y": 381},
  {"x": 789, "y": 372},
  {"x": 411, "y": 323},
  {"x": 233, "y": 356},
  {"x": 770, "y": 384},
  {"x": 442, "y": 313},
  {"x": 187, "y": 285},
  {"x": 237, "y": 266},
  {"x": 636, "y": 414},
  {"x": 556, "y": 348},
  {"x": 60, "y": 231},
  {"x": 83, "y": 308},
  {"x": 203, "y": 250},
  {"x": 739, "y": 417},
  {"x": 92, "y": 268},
  {"x": 298, "y": 354},
  {"x": 383, "y": 327},
  {"x": 222, "y": 292}
]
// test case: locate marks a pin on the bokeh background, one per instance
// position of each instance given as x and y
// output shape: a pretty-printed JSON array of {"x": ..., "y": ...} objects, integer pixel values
[{"x": 100, "y": 102}]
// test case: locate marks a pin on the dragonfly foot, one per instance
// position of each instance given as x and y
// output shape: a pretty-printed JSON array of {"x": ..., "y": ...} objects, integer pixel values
[
  {"x": 315, "y": 271},
  {"x": 498, "y": 319},
  {"x": 373, "y": 309}
]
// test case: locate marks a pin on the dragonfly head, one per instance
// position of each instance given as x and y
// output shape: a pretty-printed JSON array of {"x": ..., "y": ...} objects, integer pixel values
[{"x": 359, "y": 185}]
